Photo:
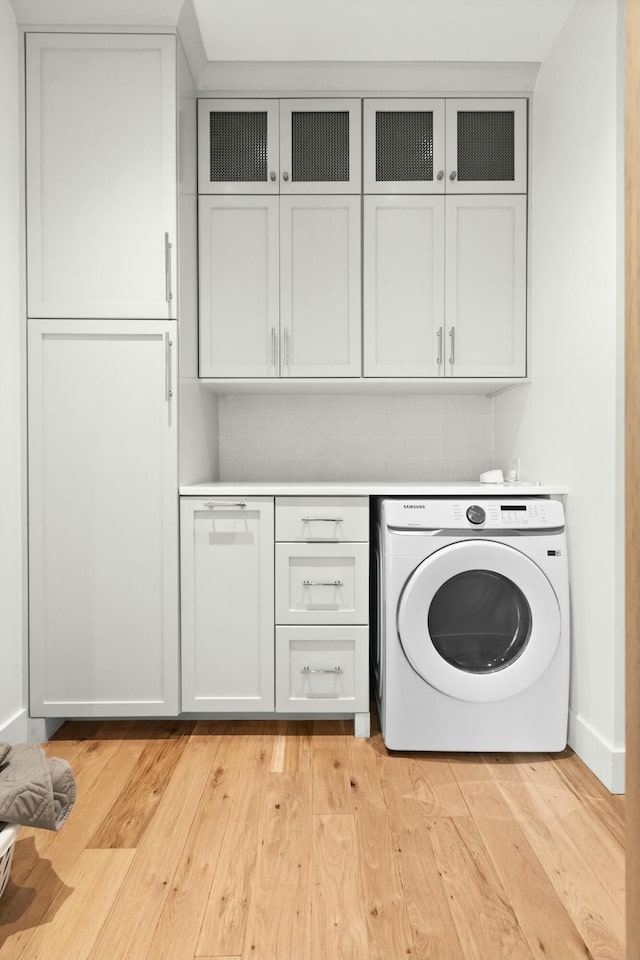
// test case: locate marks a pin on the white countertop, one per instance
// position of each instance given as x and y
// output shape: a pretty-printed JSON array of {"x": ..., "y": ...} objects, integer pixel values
[{"x": 390, "y": 488}]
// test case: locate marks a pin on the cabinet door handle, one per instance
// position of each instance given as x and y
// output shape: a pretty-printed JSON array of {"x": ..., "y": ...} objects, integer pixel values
[
  {"x": 167, "y": 268},
  {"x": 168, "y": 344},
  {"x": 274, "y": 347},
  {"x": 286, "y": 346},
  {"x": 440, "y": 175},
  {"x": 285, "y": 175},
  {"x": 322, "y": 583},
  {"x": 322, "y": 519},
  {"x": 224, "y": 503},
  {"x": 273, "y": 175},
  {"x": 452, "y": 354},
  {"x": 453, "y": 175},
  {"x": 332, "y": 670},
  {"x": 439, "y": 336}
]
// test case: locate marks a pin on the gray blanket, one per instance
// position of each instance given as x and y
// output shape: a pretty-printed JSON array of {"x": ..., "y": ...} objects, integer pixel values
[{"x": 34, "y": 791}]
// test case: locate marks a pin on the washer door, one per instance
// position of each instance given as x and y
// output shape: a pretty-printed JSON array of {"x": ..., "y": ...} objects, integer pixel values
[{"x": 479, "y": 620}]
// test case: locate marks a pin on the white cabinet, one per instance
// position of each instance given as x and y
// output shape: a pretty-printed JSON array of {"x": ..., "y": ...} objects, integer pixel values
[
  {"x": 306, "y": 654},
  {"x": 239, "y": 286},
  {"x": 103, "y": 519},
  {"x": 279, "y": 286},
  {"x": 403, "y": 286},
  {"x": 227, "y": 604},
  {"x": 485, "y": 294},
  {"x": 445, "y": 286},
  {"x": 320, "y": 281},
  {"x": 416, "y": 145},
  {"x": 287, "y": 146},
  {"x": 322, "y": 606},
  {"x": 101, "y": 175}
]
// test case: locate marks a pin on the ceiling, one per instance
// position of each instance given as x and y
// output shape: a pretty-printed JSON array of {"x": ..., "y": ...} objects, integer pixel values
[
  {"x": 380, "y": 30},
  {"x": 334, "y": 30}
]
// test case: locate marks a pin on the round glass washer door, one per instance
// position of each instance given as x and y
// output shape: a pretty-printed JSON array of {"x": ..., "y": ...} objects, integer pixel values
[{"x": 479, "y": 620}]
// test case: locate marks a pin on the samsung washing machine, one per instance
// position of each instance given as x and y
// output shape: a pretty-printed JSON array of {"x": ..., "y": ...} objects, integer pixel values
[{"x": 472, "y": 648}]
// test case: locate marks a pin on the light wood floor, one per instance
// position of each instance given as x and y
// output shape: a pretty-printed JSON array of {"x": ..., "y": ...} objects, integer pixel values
[{"x": 294, "y": 841}]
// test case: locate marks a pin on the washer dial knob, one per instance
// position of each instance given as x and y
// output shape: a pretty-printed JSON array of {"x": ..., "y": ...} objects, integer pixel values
[{"x": 476, "y": 514}]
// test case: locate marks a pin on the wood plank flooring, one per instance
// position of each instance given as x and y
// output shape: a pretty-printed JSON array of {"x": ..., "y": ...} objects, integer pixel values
[{"x": 293, "y": 841}]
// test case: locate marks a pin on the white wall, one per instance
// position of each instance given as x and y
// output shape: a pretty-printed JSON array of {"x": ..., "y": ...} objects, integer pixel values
[
  {"x": 566, "y": 425},
  {"x": 13, "y": 721}
]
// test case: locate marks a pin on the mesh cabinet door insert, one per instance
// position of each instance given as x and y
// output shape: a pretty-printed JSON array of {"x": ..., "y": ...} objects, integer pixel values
[
  {"x": 320, "y": 146},
  {"x": 404, "y": 146},
  {"x": 238, "y": 146},
  {"x": 486, "y": 146}
]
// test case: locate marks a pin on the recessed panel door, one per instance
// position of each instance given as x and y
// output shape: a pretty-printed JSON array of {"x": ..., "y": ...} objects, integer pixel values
[
  {"x": 404, "y": 319},
  {"x": 239, "y": 286},
  {"x": 101, "y": 176},
  {"x": 320, "y": 286},
  {"x": 485, "y": 286}
]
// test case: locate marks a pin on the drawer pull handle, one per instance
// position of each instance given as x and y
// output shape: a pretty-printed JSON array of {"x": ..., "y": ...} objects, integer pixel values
[
  {"x": 322, "y": 520},
  {"x": 225, "y": 503},
  {"x": 332, "y": 670},
  {"x": 322, "y": 583}
]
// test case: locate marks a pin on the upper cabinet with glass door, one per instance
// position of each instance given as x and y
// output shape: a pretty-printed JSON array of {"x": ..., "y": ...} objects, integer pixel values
[
  {"x": 279, "y": 146},
  {"x": 445, "y": 146}
]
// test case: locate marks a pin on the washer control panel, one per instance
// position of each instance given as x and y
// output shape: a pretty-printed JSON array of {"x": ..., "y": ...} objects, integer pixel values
[{"x": 490, "y": 513}]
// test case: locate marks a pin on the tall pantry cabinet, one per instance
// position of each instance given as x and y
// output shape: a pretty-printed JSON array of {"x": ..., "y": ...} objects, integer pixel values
[{"x": 102, "y": 341}]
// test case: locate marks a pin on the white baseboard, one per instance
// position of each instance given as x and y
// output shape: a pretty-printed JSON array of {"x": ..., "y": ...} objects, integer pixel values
[
  {"x": 15, "y": 729},
  {"x": 41, "y": 730},
  {"x": 605, "y": 760}
]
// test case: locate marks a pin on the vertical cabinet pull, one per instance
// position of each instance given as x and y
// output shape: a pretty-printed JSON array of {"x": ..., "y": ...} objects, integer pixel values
[
  {"x": 439, "y": 336},
  {"x": 167, "y": 268},
  {"x": 452, "y": 354},
  {"x": 274, "y": 348},
  {"x": 168, "y": 344},
  {"x": 286, "y": 346}
]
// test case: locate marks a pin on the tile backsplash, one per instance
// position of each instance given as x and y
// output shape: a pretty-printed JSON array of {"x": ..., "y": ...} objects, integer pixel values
[{"x": 355, "y": 437}]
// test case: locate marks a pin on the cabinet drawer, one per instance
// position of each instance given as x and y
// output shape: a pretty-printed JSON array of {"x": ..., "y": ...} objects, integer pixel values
[
  {"x": 322, "y": 583},
  {"x": 331, "y": 519},
  {"x": 322, "y": 669}
]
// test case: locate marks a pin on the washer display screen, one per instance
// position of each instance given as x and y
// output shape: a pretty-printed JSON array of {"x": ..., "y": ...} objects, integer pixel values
[{"x": 479, "y": 621}]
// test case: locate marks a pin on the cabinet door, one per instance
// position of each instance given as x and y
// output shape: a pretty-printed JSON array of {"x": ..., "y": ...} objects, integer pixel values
[
  {"x": 239, "y": 281},
  {"x": 403, "y": 146},
  {"x": 486, "y": 146},
  {"x": 101, "y": 175},
  {"x": 320, "y": 286},
  {"x": 486, "y": 286},
  {"x": 103, "y": 519},
  {"x": 227, "y": 604},
  {"x": 320, "y": 146},
  {"x": 403, "y": 286},
  {"x": 238, "y": 146}
]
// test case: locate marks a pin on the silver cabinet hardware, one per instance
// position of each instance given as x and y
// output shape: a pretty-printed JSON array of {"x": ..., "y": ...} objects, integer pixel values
[
  {"x": 286, "y": 346},
  {"x": 322, "y": 519},
  {"x": 274, "y": 348},
  {"x": 332, "y": 670},
  {"x": 225, "y": 503},
  {"x": 167, "y": 269},
  {"x": 440, "y": 175},
  {"x": 285, "y": 175},
  {"x": 168, "y": 344},
  {"x": 439, "y": 336},
  {"x": 452, "y": 175},
  {"x": 452, "y": 354},
  {"x": 322, "y": 583},
  {"x": 273, "y": 175}
]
